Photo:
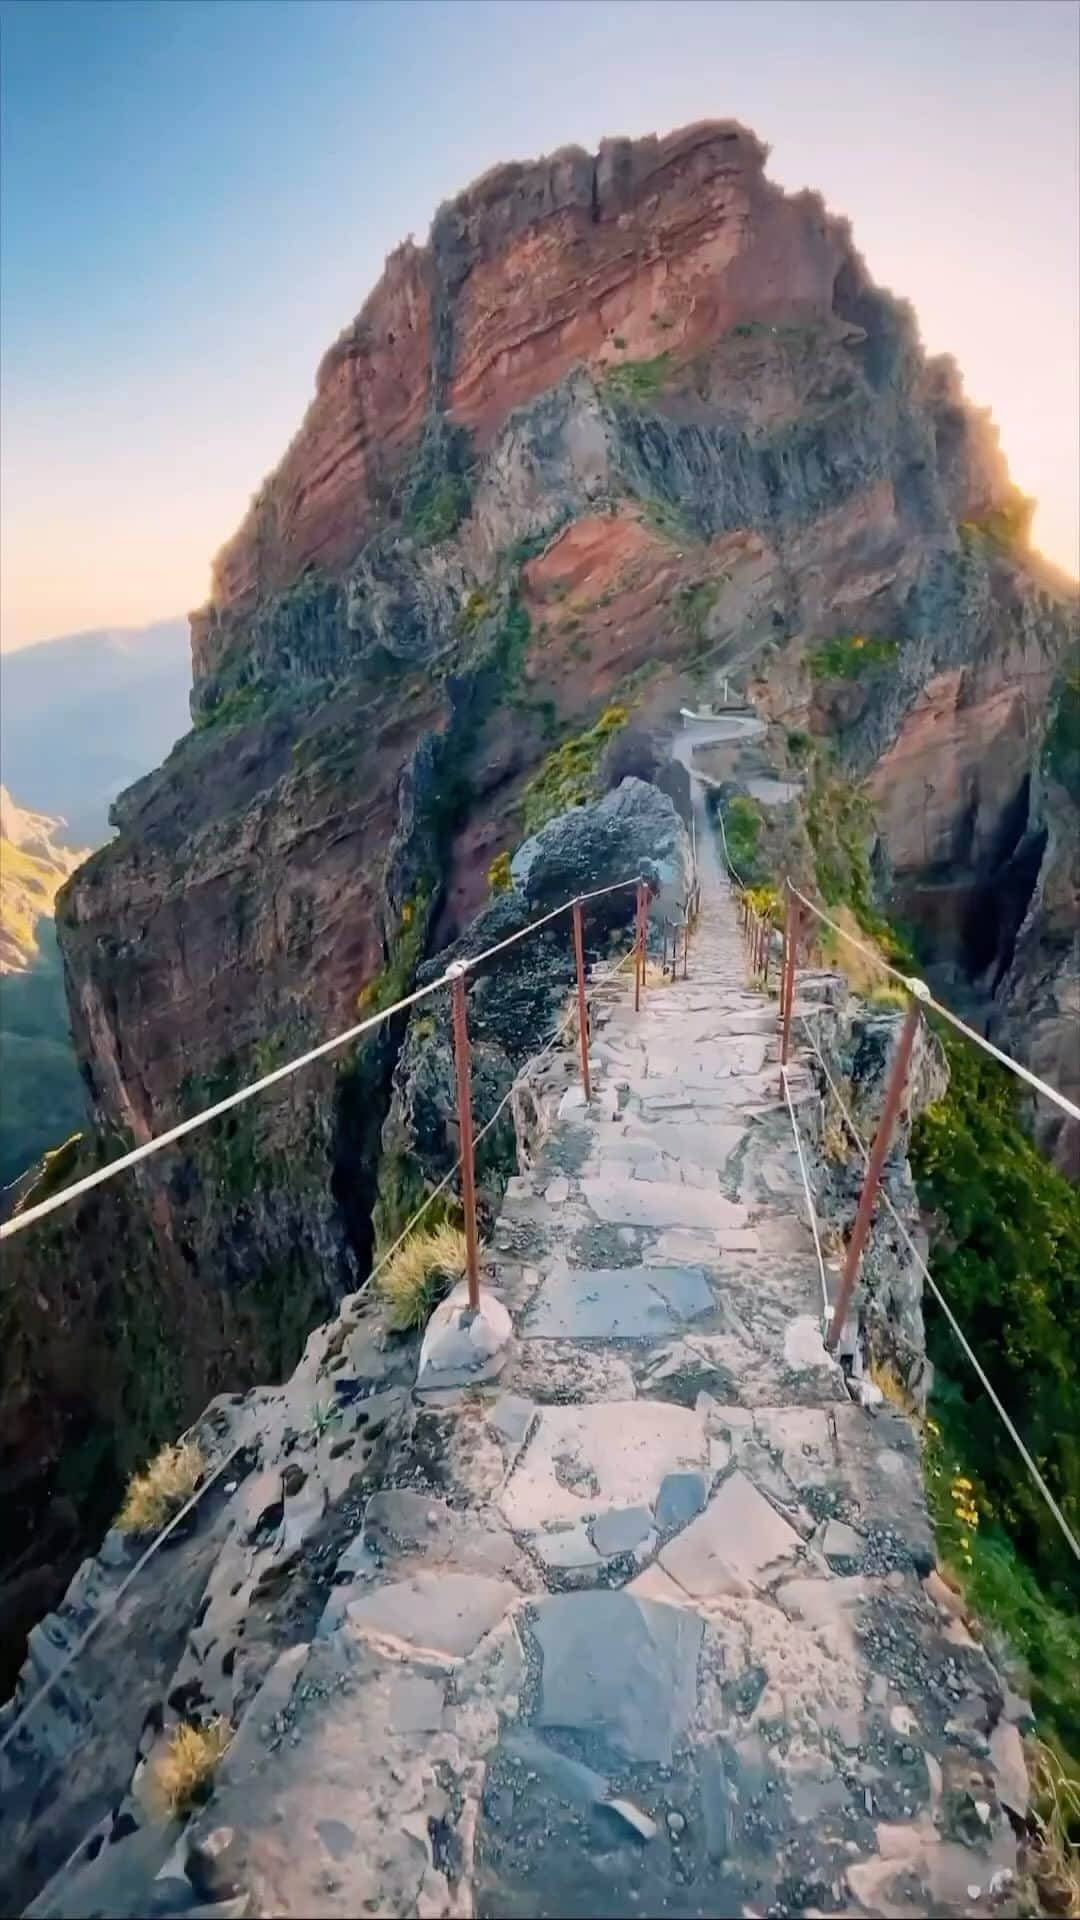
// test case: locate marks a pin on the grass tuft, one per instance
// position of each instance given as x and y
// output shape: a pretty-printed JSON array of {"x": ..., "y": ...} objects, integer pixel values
[
  {"x": 154, "y": 1495},
  {"x": 1056, "y": 1805},
  {"x": 181, "y": 1772},
  {"x": 420, "y": 1274}
]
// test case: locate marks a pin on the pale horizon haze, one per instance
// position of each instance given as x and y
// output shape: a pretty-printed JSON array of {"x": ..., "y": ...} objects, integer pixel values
[{"x": 196, "y": 196}]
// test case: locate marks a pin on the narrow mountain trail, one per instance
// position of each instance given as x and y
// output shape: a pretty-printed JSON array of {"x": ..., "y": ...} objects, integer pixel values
[{"x": 644, "y": 1627}]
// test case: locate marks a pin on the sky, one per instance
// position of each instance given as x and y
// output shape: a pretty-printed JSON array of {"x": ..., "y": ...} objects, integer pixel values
[{"x": 197, "y": 195}]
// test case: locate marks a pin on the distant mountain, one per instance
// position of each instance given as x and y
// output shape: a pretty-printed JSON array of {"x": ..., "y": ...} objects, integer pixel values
[
  {"x": 32, "y": 870},
  {"x": 42, "y": 1097},
  {"x": 84, "y": 716}
]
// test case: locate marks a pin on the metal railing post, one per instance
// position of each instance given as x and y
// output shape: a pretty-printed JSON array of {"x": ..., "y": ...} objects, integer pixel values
[
  {"x": 893, "y": 1096},
  {"x": 787, "y": 987},
  {"x": 465, "y": 1131},
  {"x": 582, "y": 1017},
  {"x": 639, "y": 964},
  {"x": 674, "y": 943}
]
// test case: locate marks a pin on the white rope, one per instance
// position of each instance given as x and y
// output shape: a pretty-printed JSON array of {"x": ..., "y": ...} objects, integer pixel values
[
  {"x": 810, "y": 1208},
  {"x": 946, "y": 1309},
  {"x": 205, "y": 1485},
  {"x": 876, "y": 959},
  {"x": 29, "y": 1215}
]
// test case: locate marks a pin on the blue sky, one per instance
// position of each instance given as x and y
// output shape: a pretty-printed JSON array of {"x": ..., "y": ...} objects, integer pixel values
[{"x": 196, "y": 195}]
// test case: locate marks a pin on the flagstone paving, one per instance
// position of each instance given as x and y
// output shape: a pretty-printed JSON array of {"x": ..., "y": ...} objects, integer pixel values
[{"x": 662, "y": 1642}]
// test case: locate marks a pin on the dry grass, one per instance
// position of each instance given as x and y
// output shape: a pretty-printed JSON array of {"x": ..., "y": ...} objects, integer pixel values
[
  {"x": 865, "y": 973},
  {"x": 420, "y": 1273},
  {"x": 886, "y": 1377},
  {"x": 1056, "y": 1807},
  {"x": 156, "y": 1494},
  {"x": 181, "y": 1771}
]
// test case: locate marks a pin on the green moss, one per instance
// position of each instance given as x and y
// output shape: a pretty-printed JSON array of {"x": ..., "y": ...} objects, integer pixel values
[
  {"x": 1061, "y": 748},
  {"x": 799, "y": 744},
  {"x": 850, "y": 657},
  {"x": 637, "y": 380},
  {"x": 567, "y": 778}
]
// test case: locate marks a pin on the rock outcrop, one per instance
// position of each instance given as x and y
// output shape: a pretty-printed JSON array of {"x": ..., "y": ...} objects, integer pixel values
[{"x": 627, "y": 422}]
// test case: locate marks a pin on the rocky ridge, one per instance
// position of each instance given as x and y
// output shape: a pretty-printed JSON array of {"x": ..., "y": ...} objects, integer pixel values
[
  {"x": 568, "y": 1598},
  {"x": 628, "y": 424}
]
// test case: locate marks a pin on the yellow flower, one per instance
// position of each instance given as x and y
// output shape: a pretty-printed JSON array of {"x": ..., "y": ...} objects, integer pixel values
[{"x": 964, "y": 1541}]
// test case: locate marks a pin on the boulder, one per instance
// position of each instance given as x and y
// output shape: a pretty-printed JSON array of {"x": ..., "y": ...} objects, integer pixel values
[{"x": 634, "y": 830}]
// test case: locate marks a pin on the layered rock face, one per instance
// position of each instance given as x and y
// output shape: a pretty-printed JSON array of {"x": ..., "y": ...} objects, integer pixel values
[{"x": 626, "y": 423}]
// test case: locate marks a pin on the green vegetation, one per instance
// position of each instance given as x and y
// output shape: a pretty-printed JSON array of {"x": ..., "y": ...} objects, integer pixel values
[
  {"x": 233, "y": 708},
  {"x": 666, "y": 520},
  {"x": 637, "y": 380},
  {"x": 394, "y": 980},
  {"x": 438, "y": 508},
  {"x": 799, "y": 744},
  {"x": 1008, "y": 1263},
  {"x": 694, "y": 603},
  {"x": 1061, "y": 748},
  {"x": 742, "y": 829},
  {"x": 839, "y": 825},
  {"x": 850, "y": 657},
  {"x": 567, "y": 778}
]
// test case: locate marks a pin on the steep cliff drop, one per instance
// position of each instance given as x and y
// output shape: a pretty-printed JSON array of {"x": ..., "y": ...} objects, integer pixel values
[{"x": 629, "y": 423}]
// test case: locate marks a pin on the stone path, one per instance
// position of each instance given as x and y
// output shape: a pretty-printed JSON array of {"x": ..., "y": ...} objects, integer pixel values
[{"x": 661, "y": 1639}]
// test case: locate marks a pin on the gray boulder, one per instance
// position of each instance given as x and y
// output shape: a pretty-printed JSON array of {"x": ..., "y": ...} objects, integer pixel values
[{"x": 634, "y": 830}]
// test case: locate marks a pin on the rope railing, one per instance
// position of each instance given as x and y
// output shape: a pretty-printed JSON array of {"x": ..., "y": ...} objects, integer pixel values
[
  {"x": 27, "y": 1216},
  {"x": 758, "y": 932},
  {"x": 954, "y": 1324},
  {"x": 210, "y": 1479}
]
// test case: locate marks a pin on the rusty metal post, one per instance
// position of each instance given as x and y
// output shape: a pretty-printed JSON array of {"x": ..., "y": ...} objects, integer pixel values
[
  {"x": 465, "y": 1131},
  {"x": 639, "y": 940},
  {"x": 582, "y": 1016},
  {"x": 787, "y": 989},
  {"x": 766, "y": 950},
  {"x": 893, "y": 1096},
  {"x": 686, "y": 950}
]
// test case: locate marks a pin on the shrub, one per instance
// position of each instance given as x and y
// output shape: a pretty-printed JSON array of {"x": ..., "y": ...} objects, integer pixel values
[
  {"x": 742, "y": 830},
  {"x": 499, "y": 880},
  {"x": 695, "y": 603},
  {"x": 638, "y": 379},
  {"x": 567, "y": 778},
  {"x": 420, "y": 1273},
  {"x": 850, "y": 657},
  {"x": 180, "y": 1774},
  {"x": 798, "y": 744},
  {"x": 154, "y": 1495}
]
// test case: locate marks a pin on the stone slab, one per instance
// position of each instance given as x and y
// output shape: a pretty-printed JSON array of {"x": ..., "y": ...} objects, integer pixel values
[
  {"x": 447, "y": 1612},
  {"x": 655, "y": 1203},
  {"x": 584, "y": 1460},
  {"x": 617, "y": 1303},
  {"x": 739, "y": 1541},
  {"x": 621, "y": 1530},
  {"x": 620, "y": 1668}
]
